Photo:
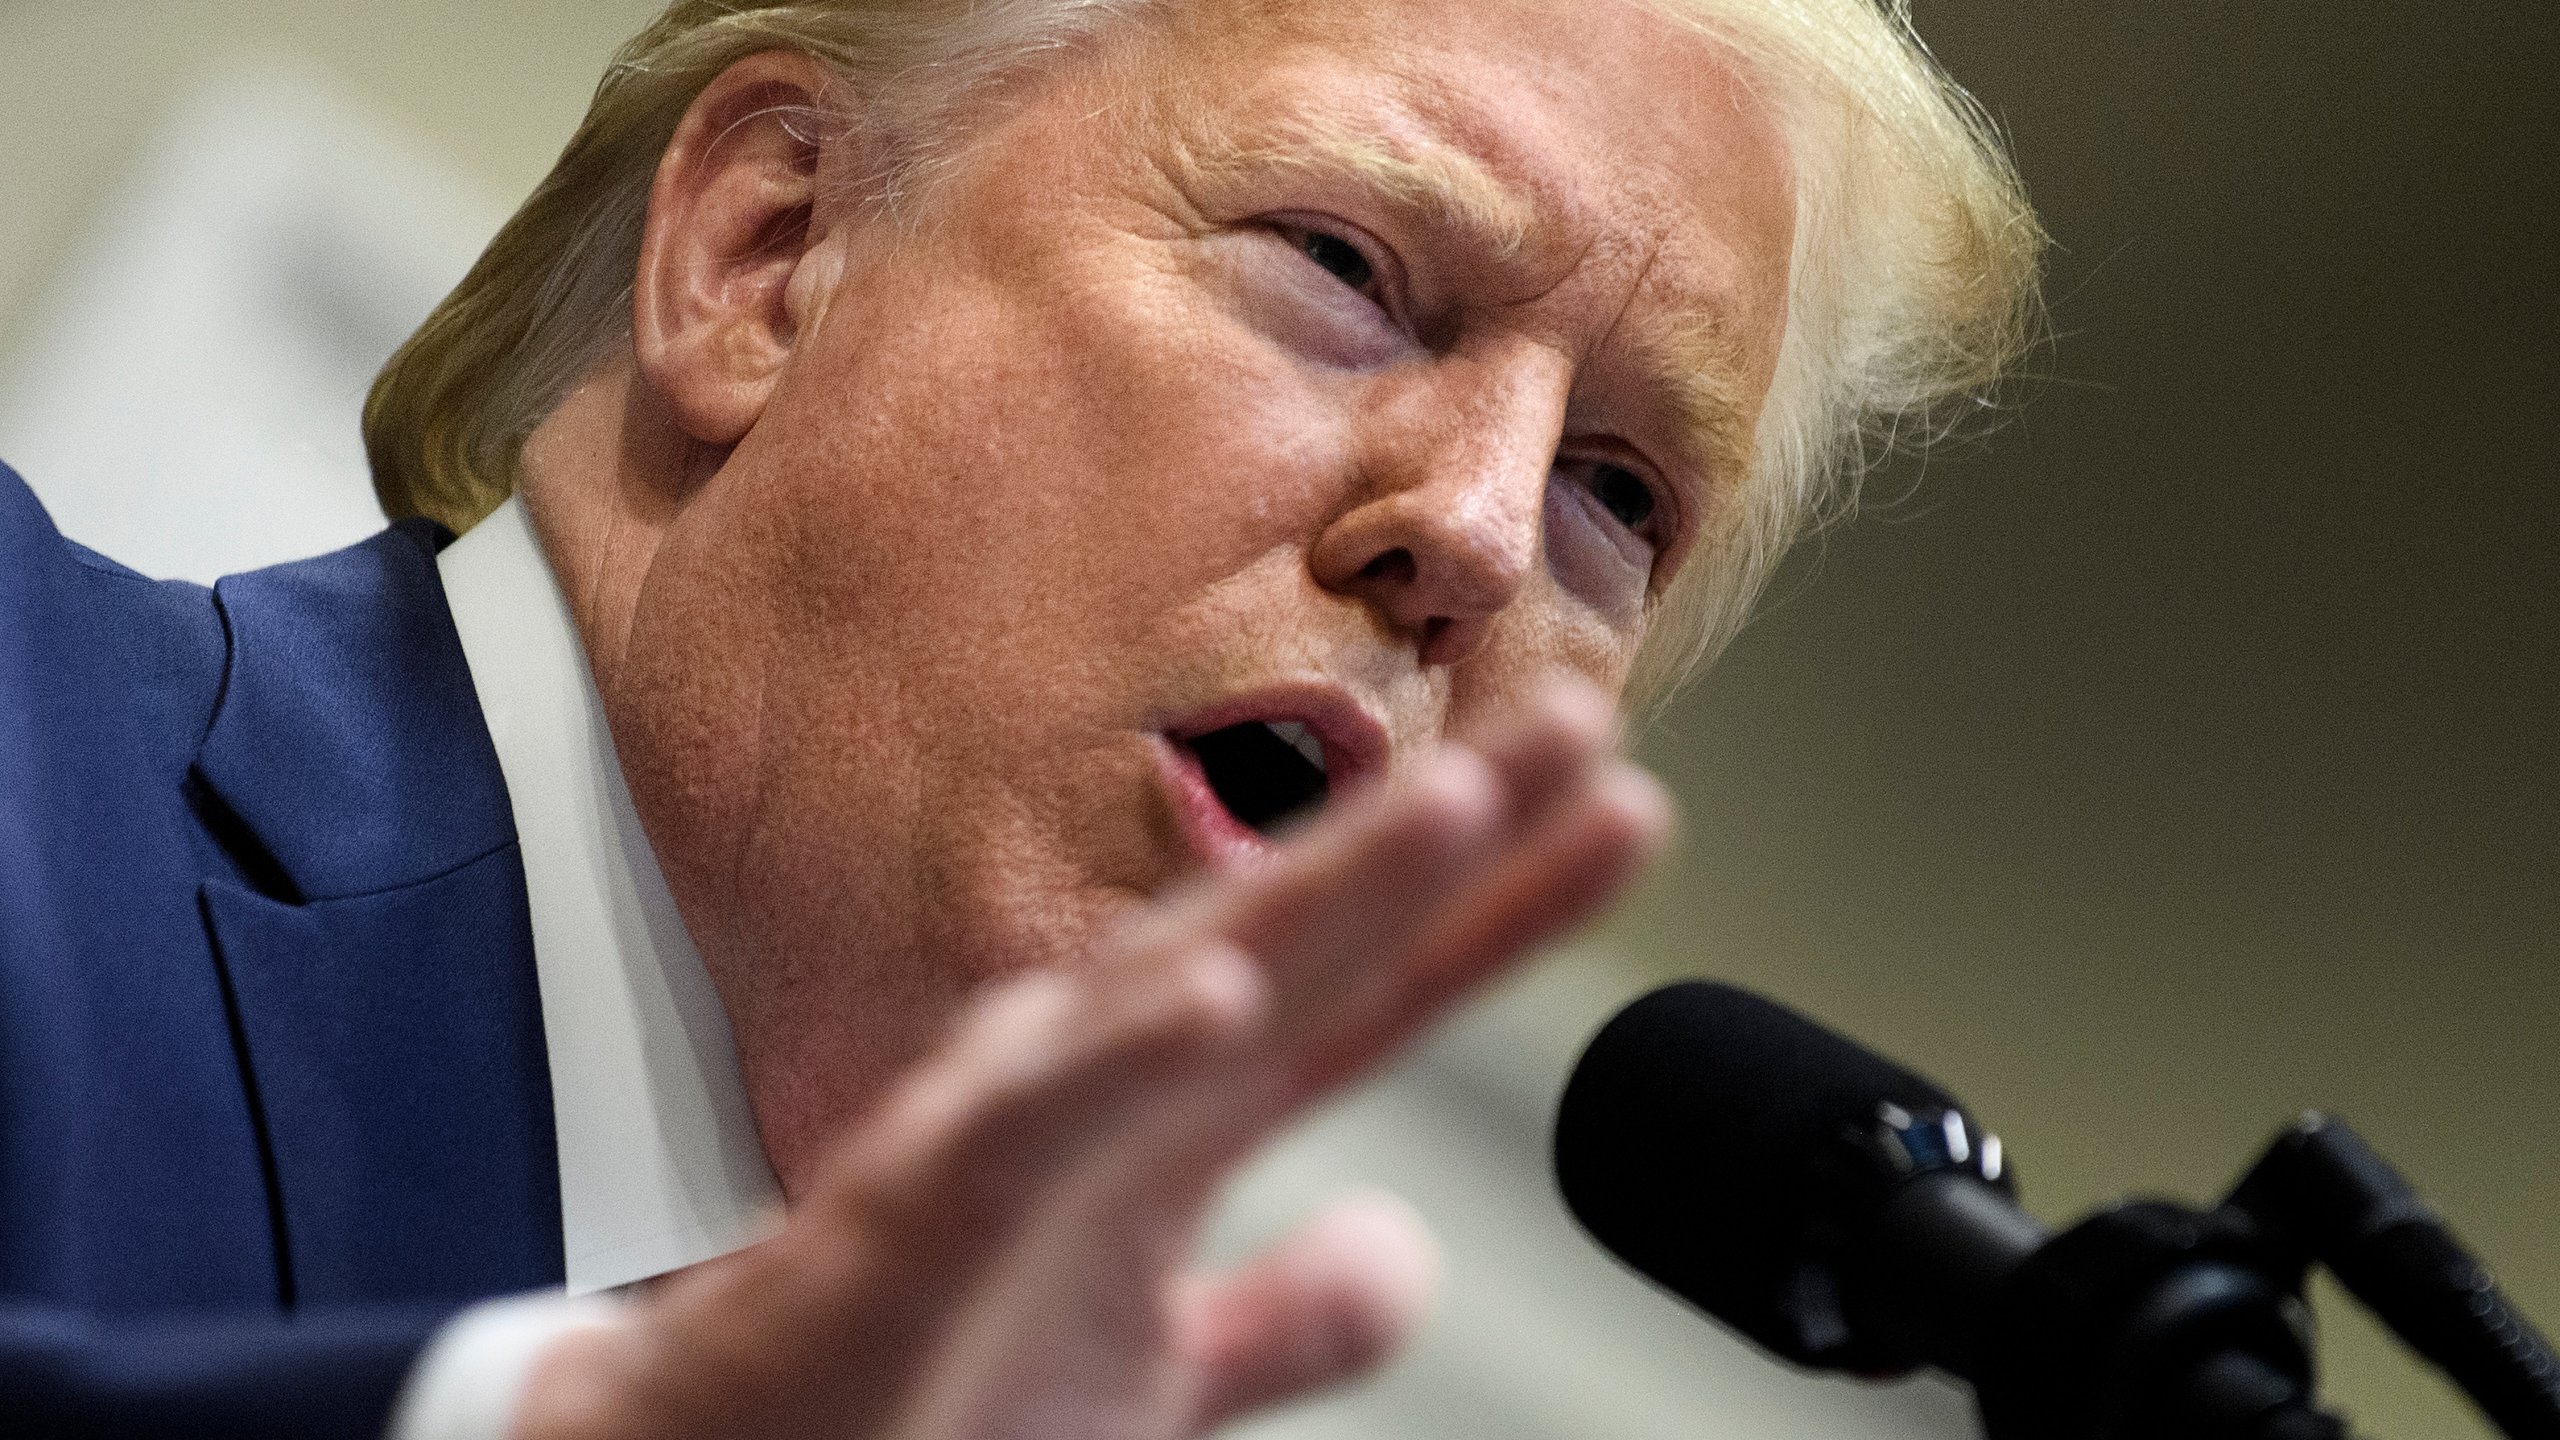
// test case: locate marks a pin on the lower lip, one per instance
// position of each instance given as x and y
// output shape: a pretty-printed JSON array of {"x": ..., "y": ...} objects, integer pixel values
[{"x": 1215, "y": 836}]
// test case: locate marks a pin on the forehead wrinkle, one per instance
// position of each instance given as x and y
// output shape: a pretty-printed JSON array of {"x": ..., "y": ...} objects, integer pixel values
[
  {"x": 1452, "y": 188},
  {"x": 1426, "y": 151}
]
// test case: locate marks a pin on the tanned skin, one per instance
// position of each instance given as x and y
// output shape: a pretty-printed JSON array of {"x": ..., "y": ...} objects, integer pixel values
[{"x": 905, "y": 551}]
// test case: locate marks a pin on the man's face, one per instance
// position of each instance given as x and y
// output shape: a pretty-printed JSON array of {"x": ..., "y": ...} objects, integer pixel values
[{"x": 1391, "y": 358}]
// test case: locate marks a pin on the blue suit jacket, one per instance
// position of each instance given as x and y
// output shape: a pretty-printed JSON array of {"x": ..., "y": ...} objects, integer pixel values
[{"x": 273, "y": 1095}]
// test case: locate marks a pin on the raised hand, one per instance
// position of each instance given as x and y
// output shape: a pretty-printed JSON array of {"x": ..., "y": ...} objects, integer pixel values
[{"x": 1000, "y": 1251}]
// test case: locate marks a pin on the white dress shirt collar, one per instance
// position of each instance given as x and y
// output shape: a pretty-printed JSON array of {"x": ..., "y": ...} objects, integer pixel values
[{"x": 659, "y": 1163}]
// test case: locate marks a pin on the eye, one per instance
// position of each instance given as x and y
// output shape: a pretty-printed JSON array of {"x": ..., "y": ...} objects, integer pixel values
[
  {"x": 1340, "y": 258},
  {"x": 1610, "y": 527},
  {"x": 1624, "y": 494}
]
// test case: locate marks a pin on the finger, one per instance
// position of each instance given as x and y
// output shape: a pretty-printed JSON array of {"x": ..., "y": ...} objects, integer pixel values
[
  {"x": 880, "y": 1257},
  {"x": 883, "y": 1256},
  {"x": 1362, "y": 883},
  {"x": 1544, "y": 750},
  {"x": 1553, "y": 881},
  {"x": 1034, "y": 1075},
  {"x": 1344, "y": 927},
  {"x": 1359, "y": 880},
  {"x": 1341, "y": 922},
  {"x": 1333, "y": 1301},
  {"x": 1355, "y": 904}
]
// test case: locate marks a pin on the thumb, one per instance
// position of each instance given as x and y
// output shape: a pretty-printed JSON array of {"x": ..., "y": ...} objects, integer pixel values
[{"x": 1332, "y": 1301}]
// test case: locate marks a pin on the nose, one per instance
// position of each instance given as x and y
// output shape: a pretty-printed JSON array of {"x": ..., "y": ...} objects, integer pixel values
[{"x": 1448, "y": 527}]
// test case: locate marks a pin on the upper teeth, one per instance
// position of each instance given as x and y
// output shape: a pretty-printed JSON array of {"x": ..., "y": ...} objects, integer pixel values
[{"x": 1300, "y": 739}]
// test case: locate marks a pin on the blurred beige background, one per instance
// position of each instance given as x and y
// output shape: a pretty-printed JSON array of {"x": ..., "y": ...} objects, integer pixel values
[{"x": 2176, "y": 759}]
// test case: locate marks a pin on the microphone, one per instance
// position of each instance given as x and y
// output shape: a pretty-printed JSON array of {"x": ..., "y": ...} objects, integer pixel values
[
  {"x": 1831, "y": 1205},
  {"x": 1846, "y": 1214}
]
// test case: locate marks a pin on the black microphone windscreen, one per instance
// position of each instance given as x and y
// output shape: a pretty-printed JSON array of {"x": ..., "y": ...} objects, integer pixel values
[{"x": 1701, "y": 1139}]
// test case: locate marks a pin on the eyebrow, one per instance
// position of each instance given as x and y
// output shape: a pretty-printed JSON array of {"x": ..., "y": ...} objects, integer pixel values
[
  {"x": 1452, "y": 188},
  {"x": 1698, "y": 361}
]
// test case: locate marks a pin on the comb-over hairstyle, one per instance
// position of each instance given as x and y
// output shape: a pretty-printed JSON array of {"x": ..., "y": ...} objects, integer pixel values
[{"x": 1913, "y": 288}]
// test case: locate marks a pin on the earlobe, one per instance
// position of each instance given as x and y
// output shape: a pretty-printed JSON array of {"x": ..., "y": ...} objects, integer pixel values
[{"x": 732, "y": 268}]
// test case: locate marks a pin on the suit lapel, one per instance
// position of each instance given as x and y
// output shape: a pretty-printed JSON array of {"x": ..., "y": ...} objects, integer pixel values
[{"x": 374, "y": 945}]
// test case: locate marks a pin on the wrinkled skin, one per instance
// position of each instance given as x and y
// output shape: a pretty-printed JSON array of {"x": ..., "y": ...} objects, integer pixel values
[{"x": 902, "y": 550}]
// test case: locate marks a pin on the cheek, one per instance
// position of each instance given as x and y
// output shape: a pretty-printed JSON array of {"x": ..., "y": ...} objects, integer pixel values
[
  {"x": 1085, "y": 439},
  {"x": 1006, "y": 509},
  {"x": 1530, "y": 645}
]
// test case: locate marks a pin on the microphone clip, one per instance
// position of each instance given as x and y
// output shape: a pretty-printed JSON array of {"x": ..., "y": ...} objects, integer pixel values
[{"x": 2151, "y": 1320}]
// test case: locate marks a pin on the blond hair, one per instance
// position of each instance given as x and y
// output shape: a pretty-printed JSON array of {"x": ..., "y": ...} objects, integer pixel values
[{"x": 1913, "y": 285}]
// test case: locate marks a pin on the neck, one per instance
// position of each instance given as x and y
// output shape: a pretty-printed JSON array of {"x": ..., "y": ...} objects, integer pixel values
[
  {"x": 602, "y": 479},
  {"x": 605, "y": 480}
]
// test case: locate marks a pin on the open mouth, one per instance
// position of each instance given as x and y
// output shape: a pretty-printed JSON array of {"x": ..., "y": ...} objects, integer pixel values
[{"x": 1264, "y": 772}]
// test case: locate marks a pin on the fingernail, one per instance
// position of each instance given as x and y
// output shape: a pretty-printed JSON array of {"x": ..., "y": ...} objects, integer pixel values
[
  {"x": 1581, "y": 707},
  {"x": 1462, "y": 778},
  {"x": 1635, "y": 791},
  {"x": 1226, "y": 988}
]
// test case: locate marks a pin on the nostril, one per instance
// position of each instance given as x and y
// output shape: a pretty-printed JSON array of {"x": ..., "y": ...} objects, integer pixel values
[{"x": 1395, "y": 566}]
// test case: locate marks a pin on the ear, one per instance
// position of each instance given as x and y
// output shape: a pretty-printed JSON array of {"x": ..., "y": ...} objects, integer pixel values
[{"x": 733, "y": 266}]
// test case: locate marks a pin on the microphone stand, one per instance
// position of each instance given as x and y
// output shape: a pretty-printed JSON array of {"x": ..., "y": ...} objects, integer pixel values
[
  {"x": 2153, "y": 1321},
  {"x": 1846, "y": 1214},
  {"x": 2322, "y": 1195}
]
